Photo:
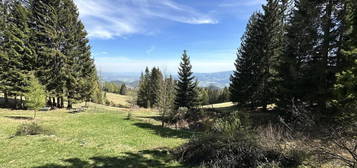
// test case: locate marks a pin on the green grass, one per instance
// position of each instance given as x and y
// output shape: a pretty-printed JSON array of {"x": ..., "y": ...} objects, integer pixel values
[{"x": 100, "y": 136}]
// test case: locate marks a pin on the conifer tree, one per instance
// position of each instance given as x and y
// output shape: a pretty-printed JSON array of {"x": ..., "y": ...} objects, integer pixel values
[
  {"x": 244, "y": 81},
  {"x": 3, "y": 57},
  {"x": 271, "y": 27},
  {"x": 16, "y": 48},
  {"x": 156, "y": 79},
  {"x": 123, "y": 89},
  {"x": 47, "y": 37},
  {"x": 186, "y": 93},
  {"x": 301, "y": 45},
  {"x": 143, "y": 99},
  {"x": 345, "y": 89}
]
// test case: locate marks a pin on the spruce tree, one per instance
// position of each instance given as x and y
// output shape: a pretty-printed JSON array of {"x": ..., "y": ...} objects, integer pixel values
[
  {"x": 18, "y": 52},
  {"x": 271, "y": 27},
  {"x": 3, "y": 56},
  {"x": 186, "y": 93},
  {"x": 156, "y": 79},
  {"x": 143, "y": 99},
  {"x": 301, "y": 45},
  {"x": 245, "y": 78},
  {"x": 123, "y": 89},
  {"x": 47, "y": 37}
]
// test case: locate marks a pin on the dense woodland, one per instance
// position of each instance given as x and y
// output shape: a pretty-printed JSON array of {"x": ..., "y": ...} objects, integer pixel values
[
  {"x": 46, "y": 38},
  {"x": 297, "y": 64}
]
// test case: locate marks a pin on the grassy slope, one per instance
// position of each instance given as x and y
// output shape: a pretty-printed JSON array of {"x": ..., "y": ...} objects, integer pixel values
[
  {"x": 117, "y": 99},
  {"x": 99, "y": 136}
]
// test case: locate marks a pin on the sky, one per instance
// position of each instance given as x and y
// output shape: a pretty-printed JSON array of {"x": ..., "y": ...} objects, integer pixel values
[{"x": 128, "y": 35}]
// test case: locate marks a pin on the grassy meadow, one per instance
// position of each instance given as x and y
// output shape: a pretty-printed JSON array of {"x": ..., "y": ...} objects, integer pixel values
[{"x": 98, "y": 137}]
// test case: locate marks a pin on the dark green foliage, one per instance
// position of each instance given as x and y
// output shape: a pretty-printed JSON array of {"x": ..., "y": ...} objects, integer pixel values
[
  {"x": 31, "y": 129},
  {"x": 156, "y": 79},
  {"x": 186, "y": 92},
  {"x": 111, "y": 87},
  {"x": 149, "y": 88},
  {"x": 143, "y": 99},
  {"x": 45, "y": 36},
  {"x": 345, "y": 89},
  {"x": 123, "y": 89},
  {"x": 17, "y": 58},
  {"x": 244, "y": 81}
]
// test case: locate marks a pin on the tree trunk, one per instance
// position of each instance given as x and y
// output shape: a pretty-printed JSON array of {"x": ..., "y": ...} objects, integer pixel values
[
  {"x": 69, "y": 106},
  {"x": 21, "y": 102},
  {"x": 6, "y": 98},
  {"x": 325, "y": 57},
  {"x": 15, "y": 101},
  {"x": 58, "y": 102},
  {"x": 62, "y": 102}
]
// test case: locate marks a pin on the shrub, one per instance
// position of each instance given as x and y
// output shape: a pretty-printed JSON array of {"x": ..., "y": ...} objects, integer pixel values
[
  {"x": 228, "y": 144},
  {"x": 30, "y": 129}
]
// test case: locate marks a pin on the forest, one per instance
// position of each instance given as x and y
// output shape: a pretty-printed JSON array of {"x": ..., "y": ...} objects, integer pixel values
[{"x": 291, "y": 100}]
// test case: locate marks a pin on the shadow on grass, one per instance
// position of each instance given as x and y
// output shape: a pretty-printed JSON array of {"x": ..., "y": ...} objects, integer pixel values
[
  {"x": 19, "y": 117},
  {"x": 165, "y": 132},
  {"x": 155, "y": 158}
]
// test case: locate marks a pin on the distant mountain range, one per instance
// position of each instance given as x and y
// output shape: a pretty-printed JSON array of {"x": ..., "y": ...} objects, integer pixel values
[{"x": 218, "y": 79}]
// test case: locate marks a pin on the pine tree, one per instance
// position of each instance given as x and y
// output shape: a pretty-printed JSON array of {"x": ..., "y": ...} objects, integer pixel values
[
  {"x": 123, "y": 89},
  {"x": 186, "y": 93},
  {"x": 143, "y": 99},
  {"x": 301, "y": 45},
  {"x": 244, "y": 81},
  {"x": 3, "y": 57},
  {"x": 47, "y": 40},
  {"x": 18, "y": 53},
  {"x": 271, "y": 27},
  {"x": 156, "y": 79},
  {"x": 345, "y": 89}
]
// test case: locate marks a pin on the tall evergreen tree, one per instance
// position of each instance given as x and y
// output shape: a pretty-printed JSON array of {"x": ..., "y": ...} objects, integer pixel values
[
  {"x": 186, "y": 93},
  {"x": 123, "y": 89},
  {"x": 271, "y": 25},
  {"x": 16, "y": 48},
  {"x": 301, "y": 46},
  {"x": 47, "y": 37},
  {"x": 143, "y": 99},
  {"x": 156, "y": 79},
  {"x": 244, "y": 81},
  {"x": 3, "y": 57}
]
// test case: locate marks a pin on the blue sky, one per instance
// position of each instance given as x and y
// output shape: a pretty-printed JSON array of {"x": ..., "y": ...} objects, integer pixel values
[{"x": 128, "y": 35}]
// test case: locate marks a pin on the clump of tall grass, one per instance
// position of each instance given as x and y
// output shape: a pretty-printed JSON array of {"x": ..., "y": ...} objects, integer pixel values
[{"x": 31, "y": 129}]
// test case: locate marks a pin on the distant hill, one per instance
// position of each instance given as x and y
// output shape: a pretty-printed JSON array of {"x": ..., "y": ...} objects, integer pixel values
[{"x": 218, "y": 79}]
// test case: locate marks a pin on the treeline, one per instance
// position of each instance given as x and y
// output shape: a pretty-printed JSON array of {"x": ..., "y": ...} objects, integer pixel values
[
  {"x": 167, "y": 94},
  {"x": 114, "y": 87},
  {"x": 47, "y": 38},
  {"x": 213, "y": 95},
  {"x": 299, "y": 53}
]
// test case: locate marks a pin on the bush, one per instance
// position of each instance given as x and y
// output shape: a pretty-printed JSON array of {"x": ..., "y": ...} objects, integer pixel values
[
  {"x": 228, "y": 144},
  {"x": 30, "y": 129}
]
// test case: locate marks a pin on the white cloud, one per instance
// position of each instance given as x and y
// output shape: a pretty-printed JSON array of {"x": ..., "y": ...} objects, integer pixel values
[{"x": 111, "y": 18}]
